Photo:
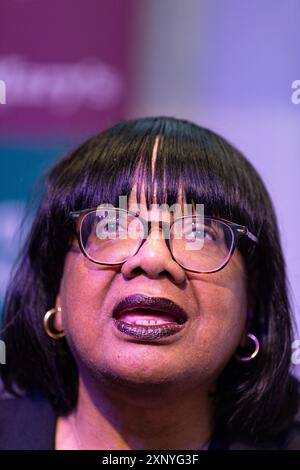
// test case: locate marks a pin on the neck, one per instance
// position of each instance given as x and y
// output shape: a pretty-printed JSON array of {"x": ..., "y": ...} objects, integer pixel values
[{"x": 114, "y": 419}]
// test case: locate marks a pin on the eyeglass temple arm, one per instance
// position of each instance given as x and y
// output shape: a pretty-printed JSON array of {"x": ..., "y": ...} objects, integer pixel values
[
  {"x": 245, "y": 231},
  {"x": 251, "y": 236},
  {"x": 77, "y": 214}
]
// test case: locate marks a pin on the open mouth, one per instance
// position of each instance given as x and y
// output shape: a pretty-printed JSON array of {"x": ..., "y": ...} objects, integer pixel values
[{"x": 148, "y": 317}]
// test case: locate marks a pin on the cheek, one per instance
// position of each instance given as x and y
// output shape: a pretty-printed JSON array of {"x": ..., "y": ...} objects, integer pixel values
[
  {"x": 222, "y": 319},
  {"x": 82, "y": 292}
]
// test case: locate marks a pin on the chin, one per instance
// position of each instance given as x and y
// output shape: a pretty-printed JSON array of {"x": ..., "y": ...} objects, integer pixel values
[{"x": 134, "y": 375}]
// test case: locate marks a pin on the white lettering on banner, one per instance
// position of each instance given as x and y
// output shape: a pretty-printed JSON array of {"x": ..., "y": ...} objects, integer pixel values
[{"x": 62, "y": 87}]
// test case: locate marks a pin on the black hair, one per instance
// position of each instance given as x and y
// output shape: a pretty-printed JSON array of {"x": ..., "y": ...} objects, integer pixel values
[{"x": 258, "y": 398}]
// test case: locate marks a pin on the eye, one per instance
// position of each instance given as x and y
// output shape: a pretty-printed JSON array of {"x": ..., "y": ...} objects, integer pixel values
[
  {"x": 196, "y": 230},
  {"x": 109, "y": 226},
  {"x": 204, "y": 233},
  {"x": 209, "y": 235}
]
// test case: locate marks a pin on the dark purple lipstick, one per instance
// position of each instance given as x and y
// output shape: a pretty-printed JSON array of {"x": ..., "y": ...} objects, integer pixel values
[{"x": 147, "y": 318}]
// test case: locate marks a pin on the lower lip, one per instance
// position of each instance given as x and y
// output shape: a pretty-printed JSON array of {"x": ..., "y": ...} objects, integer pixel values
[{"x": 142, "y": 332}]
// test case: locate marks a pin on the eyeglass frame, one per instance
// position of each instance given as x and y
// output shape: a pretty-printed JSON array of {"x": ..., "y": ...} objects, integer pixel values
[{"x": 237, "y": 230}]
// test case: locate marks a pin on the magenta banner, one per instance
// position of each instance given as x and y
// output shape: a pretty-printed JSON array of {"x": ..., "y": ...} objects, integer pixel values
[{"x": 64, "y": 64}]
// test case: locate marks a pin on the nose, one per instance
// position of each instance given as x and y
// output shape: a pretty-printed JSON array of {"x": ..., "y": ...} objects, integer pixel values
[{"x": 154, "y": 259}]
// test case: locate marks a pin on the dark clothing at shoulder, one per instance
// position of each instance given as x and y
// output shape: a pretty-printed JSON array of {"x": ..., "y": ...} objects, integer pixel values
[{"x": 28, "y": 423}]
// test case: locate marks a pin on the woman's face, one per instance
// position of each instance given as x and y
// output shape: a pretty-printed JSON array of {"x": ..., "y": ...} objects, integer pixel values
[{"x": 216, "y": 304}]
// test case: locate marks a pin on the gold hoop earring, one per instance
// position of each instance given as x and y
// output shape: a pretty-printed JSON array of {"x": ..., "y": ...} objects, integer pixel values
[
  {"x": 255, "y": 352},
  {"x": 48, "y": 319}
]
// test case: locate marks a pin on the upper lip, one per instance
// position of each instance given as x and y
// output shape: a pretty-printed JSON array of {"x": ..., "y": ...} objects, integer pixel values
[{"x": 161, "y": 304}]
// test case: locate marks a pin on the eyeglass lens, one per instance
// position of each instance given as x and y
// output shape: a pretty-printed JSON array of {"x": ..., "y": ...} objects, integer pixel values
[{"x": 198, "y": 243}]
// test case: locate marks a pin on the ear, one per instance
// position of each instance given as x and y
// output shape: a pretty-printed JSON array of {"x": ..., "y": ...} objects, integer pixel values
[
  {"x": 251, "y": 298},
  {"x": 244, "y": 338},
  {"x": 251, "y": 288},
  {"x": 58, "y": 321}
]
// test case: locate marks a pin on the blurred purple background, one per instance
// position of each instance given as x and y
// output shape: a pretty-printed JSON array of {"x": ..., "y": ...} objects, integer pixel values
[{"x": 73, "y": 67}]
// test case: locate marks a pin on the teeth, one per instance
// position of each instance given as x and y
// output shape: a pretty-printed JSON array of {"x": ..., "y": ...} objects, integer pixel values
[
  {"x": 149, "y": 322},
  {"x": 146, "y": 318}
]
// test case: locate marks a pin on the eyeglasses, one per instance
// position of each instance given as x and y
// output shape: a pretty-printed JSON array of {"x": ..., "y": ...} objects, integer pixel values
[{"x": 203, "y": 244}]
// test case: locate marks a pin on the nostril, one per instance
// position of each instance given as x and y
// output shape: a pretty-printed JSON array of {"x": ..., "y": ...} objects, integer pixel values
[
  {"x": 152, "y": 273},
  {"x": 154, "y": 264},
  {"x": 133, "y": 272},
  {"x": 136, "y": 271}
]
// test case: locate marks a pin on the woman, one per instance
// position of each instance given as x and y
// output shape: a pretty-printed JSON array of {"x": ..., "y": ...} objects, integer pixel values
[{"x": 142, "y": 327}]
